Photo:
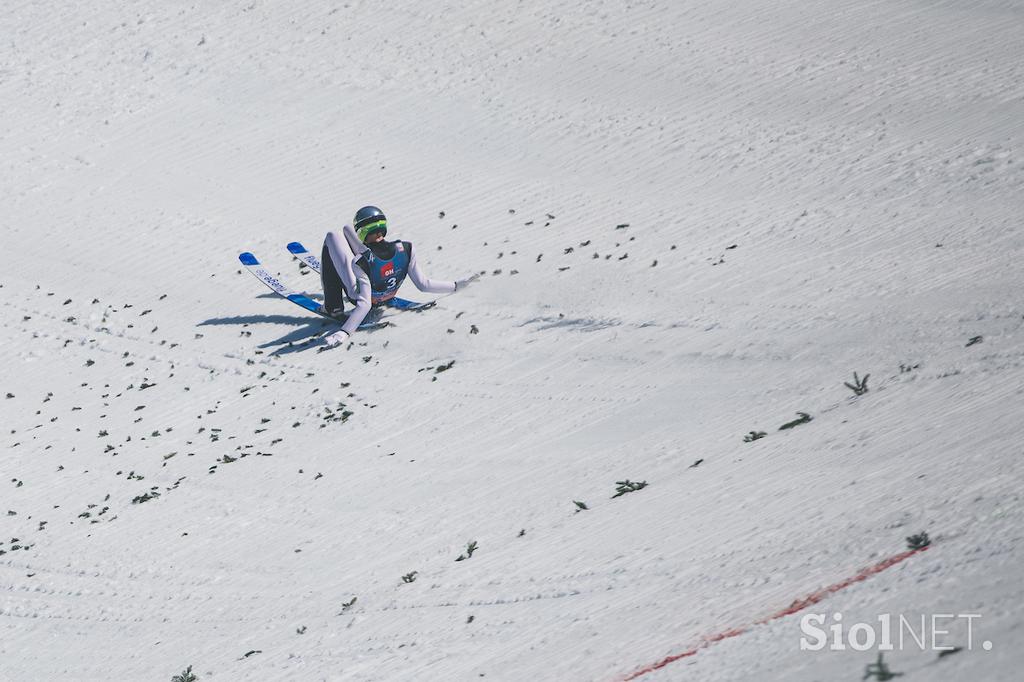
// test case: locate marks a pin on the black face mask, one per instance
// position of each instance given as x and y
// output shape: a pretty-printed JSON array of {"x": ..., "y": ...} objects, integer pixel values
[{"x": 383, "y": 249}]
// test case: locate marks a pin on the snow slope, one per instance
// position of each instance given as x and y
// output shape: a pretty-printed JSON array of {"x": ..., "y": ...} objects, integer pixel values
[{"x": 695, "y": 220}]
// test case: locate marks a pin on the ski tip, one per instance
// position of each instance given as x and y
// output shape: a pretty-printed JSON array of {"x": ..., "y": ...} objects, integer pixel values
[
  {"x": 248, "y": 259},
  {"x": 297, "y": 248}
]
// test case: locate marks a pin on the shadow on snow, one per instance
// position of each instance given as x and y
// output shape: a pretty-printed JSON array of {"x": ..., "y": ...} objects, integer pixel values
[
  {"x": 293, "y": 320},
  {"x": 302, "y": 338}
]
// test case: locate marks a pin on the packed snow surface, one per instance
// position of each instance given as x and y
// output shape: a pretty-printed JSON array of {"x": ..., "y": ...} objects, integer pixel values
[{"x": 695, "y": 220}]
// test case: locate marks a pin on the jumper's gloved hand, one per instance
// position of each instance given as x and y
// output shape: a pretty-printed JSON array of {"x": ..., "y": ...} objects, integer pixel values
[
  {"x": 337, "y": 338},
  {"x": 463, "y": 283}
]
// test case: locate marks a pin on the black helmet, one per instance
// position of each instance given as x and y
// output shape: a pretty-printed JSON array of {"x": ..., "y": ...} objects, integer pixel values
[{"x": 369, "y": 219}]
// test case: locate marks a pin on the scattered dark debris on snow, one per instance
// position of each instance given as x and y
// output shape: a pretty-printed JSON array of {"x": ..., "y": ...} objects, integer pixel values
[
  {"x": 628, "y": 486},
  {"x": 803, "y": 419}
]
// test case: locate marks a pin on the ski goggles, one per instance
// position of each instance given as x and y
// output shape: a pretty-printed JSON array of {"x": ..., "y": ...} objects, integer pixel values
[{"x": 363, "y": 231}]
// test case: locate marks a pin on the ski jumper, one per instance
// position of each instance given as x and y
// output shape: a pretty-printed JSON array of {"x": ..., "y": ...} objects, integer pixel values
[{"x": 368, "y": 276}]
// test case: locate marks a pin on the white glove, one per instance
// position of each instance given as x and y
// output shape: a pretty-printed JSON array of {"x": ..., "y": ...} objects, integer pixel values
[
  {"x": 337, "y": 338},
  {"x": 463, "y": 283}
]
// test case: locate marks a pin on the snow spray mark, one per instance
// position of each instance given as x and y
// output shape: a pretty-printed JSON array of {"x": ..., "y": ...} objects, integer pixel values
[{"x": 795, "y": 607}]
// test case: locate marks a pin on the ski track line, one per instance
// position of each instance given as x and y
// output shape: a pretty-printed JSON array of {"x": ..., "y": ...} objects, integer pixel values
[{"x": 797, "y": 606}]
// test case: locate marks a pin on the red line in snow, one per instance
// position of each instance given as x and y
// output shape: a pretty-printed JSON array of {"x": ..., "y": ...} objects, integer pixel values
[{"x": 798, "y": 605}]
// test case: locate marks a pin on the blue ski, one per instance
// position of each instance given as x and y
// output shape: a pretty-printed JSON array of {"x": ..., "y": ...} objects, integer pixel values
[
  {"x": 253, "y": 265},
  {"x": 300, "y": 252}
]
